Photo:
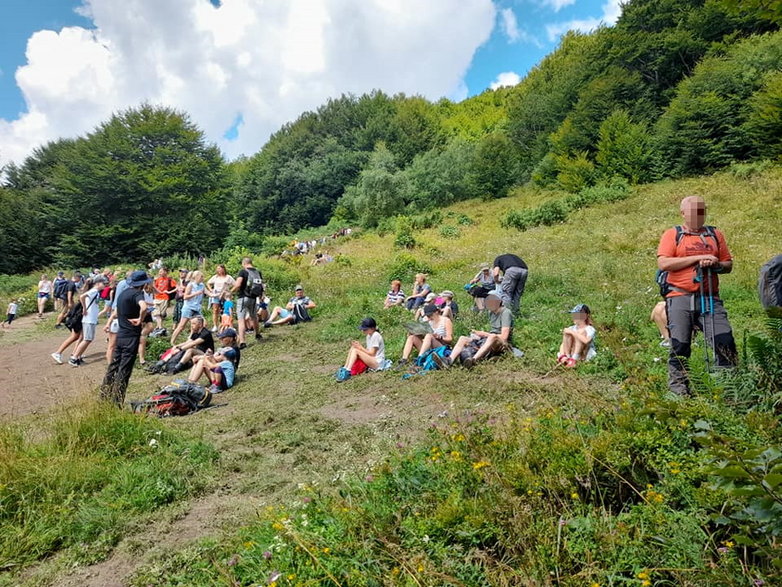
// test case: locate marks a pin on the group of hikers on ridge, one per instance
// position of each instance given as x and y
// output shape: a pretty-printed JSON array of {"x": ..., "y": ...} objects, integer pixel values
[{"x": 690, "y": 257}]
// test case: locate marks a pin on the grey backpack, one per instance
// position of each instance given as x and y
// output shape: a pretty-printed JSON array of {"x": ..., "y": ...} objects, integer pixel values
[{"x": 770, "y": 283}]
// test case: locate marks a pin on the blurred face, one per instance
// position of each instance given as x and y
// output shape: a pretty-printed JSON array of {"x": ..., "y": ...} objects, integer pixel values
[
  {"x": 299, "y": 293},
  {"x": 162, "y": 273},
  {"x": 196, "y": 324},
  {"x": 220, "y": 270},
  {"x": 579, "y": 316},
  {"x": 493, "y": 304},
  {"x": 693, "y": 211}
]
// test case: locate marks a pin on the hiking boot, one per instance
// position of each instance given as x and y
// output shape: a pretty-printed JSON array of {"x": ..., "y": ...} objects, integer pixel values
[
  {"x": 442, "y": 363},
  {"x": 57, "y": 358}
]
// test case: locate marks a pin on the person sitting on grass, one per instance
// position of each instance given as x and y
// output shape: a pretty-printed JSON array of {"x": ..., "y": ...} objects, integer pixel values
[
  {"x": 228, "y": 340},
  {"x": 218, "y": 369},
  {"x": 441, "y": 335},
  {"x": 290, "y": 314},
  {"x": 448, "y": 305},
  {"x": 362, "y": 358},
  {"x": 480, "y": 344},
  {"x": 395, "y": 295},
  {"x": 419, "y": 313},
  {"x": 199, "y": 343},
  {"x": 480, "y": 286},
  {"x": 421, "y": 290},
  {"x": 578, "y": 341},
  {"x": 660, "y": 318}
]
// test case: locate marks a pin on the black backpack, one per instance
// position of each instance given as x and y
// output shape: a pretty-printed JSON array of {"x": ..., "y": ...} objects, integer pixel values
[
  {"x": 74, "y": 316},
  {"x": 770, "y": 283},
  {"x": 60, "y": 288},
  {"x": 300, "y": 313},
  {"x": 661, "y": 277},
  {"x": 254, "y": 286}
]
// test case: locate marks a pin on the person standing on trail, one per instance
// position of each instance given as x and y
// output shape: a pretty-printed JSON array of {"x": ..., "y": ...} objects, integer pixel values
[
  {"x": 44, "y": 293},
  {"x": 71, "y": 296},
  {"x": 514, "y": 277},
  {"x": 129, "y": 310},
  {"x": 693, "y": 255},
  {"x": 248, "y": 287},
  {"x": 58, "y": 287}
]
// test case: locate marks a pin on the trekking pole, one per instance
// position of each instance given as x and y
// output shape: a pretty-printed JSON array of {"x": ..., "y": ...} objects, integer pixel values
[
  {"x": 711, "y": 314},
  {"x": 699, "y": 279}
]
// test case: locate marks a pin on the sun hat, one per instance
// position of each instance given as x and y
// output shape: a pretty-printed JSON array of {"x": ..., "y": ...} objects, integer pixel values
[
  {"x": 139, "y": 278},
  {"x": 367, "y": 323},
  {"x": 446, "y": 293},
  {"x": 485, "y": 266}
]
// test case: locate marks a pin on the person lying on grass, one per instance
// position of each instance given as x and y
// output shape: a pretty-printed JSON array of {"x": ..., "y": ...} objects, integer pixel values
[
  {"x": 362, "y": 358},
  {"x": 578, "y": 341},
  {"x": 441, "y": 335},
  {"x": 218, "y": 369},
  {"x": 480, "y": 344},
  {"x": 288, "y": 314}
]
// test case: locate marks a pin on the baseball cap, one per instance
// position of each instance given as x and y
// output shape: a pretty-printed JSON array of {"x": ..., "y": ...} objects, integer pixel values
[
  {"x": 60, "y": 273},
  {"x": 229, "y": 353},
  {"x": 367, "y": 323},
  {"x": 227, "y": 333},
  {"x": 182, "y": 270},
  {"x": 430, "y": 309},
  {"x": 447, "y": 293},
  {"x": 485, "y": 267},
  {"x": 430, "y": 297},
  {"x": 138, "y": 278},
  {"x": 299, "y": 288},
  {"x": 580, "y": 308}
]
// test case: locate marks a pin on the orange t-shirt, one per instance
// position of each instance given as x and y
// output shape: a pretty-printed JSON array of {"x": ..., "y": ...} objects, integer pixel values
[
  {"x": 690, "y": 245},
  {"x": 163, "y": 284}
]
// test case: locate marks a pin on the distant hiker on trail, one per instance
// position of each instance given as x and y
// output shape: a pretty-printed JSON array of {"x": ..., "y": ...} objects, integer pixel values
[
  {"x": 217, "y": 286},
  {"x": 90, "y": 302},
  {"x": 480, "y": 286},
  {"x": 578, "y": 340},
  {"x": 194, "y": 294},
  {"x": 60, "y": 285},
  {"x": 371, "y": 357},
  {"x": 660, "y": 318},
  {"x": 440, "y": 334},
  {"x": 421, "y": 289},
  {"x": 514, "y": 278},
  {"x": 691, "y": 257},
  {"x": 73, "y": 322},
  {"x": 480, "y": 344},
  {"x": 165, "y": 290},
  {"x": 219, "y": 369},
  {"x": 395, "y": 295},
  {"x": 45, "y": 288},
  {"x": 295, "y": 311},
  {"x": 71, "y": 295},
  {"x": 248, "y": 287},
  {"x": 129, "y": 311},
  {"x": 770, "y": 286},
  {"x": 10, "y": 315}
]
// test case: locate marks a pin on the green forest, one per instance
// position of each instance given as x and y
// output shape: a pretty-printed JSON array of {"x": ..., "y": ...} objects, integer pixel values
[{"x": 676, "y": 88}]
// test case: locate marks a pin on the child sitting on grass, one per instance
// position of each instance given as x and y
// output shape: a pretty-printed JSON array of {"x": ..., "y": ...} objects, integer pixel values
[
  {"x": 219, "y": 369},
  {"x": 227, "y": 317},
  {"x": 360, "y": 358},
  {"x": 578, "y": 341}
]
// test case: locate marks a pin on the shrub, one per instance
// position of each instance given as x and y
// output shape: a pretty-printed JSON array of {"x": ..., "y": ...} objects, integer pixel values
[
  {"x": 405, "y": 266},
  {"x": 624, "y": 148},
  {"x": 404, "y": 233},
  {"x": 575, "y": 173},
  {"x": 449, "y": 231},
  {"x": 426, "y": 220},
  {"x": 464, "y": 220},
  {"x": 546, "y": 214}
]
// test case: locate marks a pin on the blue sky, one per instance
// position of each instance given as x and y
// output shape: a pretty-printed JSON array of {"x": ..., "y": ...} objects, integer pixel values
[{"x": 246, "y": 78}]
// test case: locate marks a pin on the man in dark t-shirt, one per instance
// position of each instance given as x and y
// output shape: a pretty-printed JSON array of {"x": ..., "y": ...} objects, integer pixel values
[
  {"x": 199, "y": 342},
  {"x": 70, "y": 297},
  {"x": 129, "y": 310},
  {"x": 245, "y": 300},
  {"x": 514, "y": 278}
]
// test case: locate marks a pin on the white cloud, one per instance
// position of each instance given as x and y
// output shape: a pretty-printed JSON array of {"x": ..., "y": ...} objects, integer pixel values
[
  {"x": 611, "y": 11},
  {"x": 264, "y": 61},
  {"x": 510, "y": 25},
  {"x": 506, "y": 78},
  {"x": 557, "y": 5}
]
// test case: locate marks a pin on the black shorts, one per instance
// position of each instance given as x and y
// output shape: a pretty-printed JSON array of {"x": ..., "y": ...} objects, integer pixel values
[{"x": 220, "y": 376}]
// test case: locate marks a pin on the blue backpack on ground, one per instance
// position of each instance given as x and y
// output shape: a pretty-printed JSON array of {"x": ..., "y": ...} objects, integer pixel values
[{"x": 426, "y": 361}]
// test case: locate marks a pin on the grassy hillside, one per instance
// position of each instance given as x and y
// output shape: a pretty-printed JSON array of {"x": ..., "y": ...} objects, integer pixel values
[{"x": 507, "y": 474}]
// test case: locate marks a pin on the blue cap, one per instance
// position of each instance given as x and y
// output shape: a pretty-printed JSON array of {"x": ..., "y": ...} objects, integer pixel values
[{"x": 139, "y": 278}]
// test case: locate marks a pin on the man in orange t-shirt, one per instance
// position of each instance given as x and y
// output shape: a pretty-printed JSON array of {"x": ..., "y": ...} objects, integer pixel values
[{"x": 693, "y": 264}]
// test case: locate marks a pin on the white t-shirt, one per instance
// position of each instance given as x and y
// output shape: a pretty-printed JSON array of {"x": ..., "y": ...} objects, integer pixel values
[
  {"x": 219, "y": 284},
  {"x": 91, "y": 307},
  {"x": 591, "y": 350},
  {"x": 45, "y": 286},
  {"x": 12, "y": 308},
  {"x": 375, "y": 340}
]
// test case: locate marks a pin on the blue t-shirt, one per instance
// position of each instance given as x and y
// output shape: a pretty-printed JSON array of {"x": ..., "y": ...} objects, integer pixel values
[
  {"x": 228, "y": 306},
  {"x": 229, "y": 371},
  {"x": 194, "y": 303}
]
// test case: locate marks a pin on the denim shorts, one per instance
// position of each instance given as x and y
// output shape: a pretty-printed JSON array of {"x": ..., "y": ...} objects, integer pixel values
[{"x": 190, "y": 312}]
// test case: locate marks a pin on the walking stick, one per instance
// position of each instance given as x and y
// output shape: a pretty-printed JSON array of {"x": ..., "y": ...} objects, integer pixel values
[
  {"x": 711, "y": 314},
  {"x": 703, "y": 310}
]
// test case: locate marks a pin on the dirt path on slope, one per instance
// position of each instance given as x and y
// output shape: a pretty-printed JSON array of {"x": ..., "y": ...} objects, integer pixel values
[{"x": 30, "y": 380}]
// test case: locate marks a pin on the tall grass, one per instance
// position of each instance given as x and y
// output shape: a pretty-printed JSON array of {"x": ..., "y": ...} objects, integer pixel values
[{"x": 77, "y": 482}]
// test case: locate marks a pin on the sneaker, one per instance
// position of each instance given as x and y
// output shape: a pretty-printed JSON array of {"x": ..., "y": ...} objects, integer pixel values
[
  {"x": 215, "y": 389},
  {"x": 562, "y": 359},
  {"x": 570, "y": 363},
  {"x": 342, "y": 374},
  {"x": 57, "y": 358},
  {"x": 665, "y": 343},
  {"x": 243, "y": 345},
  {"x": 441, "y": 362},
  {"x": 401, "y": 364},
  {"x": 250, "y": 330},
  {"x": 214, "y": 329},
  {"x": 57, "y": 326},
  {"x": 73, "y": 362}
]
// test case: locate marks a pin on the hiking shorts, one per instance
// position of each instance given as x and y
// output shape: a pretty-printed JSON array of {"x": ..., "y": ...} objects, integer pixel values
[
  {"x": 88, "y": 331},
  {"x": 245, "y": 308},
  {"x": 220, "y": 378},
  {"x": 188, "y": 312},
  {"x": 43, "y": 294},
  {"x": 114, "y": 326},
  {"x": 161, "y": 308}
]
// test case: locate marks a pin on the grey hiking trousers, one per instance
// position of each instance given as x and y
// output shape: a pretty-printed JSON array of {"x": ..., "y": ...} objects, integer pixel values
[
  {"x": 684, "y": 315},
  {"x": 512, "y": 287}
]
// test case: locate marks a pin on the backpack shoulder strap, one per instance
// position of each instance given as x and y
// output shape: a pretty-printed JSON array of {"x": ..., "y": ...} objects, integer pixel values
[{"x": 679, "y": 233}]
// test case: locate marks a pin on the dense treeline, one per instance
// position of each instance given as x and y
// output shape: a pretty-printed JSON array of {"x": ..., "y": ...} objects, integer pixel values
[{"x": 676, "y": 87}]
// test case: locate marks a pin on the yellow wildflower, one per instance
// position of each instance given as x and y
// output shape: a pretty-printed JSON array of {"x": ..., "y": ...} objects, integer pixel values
[
  {"x": 326, "y": 550},
  {"x": 278, "y": 526},
  {"x": 480, "y": 465},
  {"x": 643, "y": 575},
  {"x": 574, "y": 495}
]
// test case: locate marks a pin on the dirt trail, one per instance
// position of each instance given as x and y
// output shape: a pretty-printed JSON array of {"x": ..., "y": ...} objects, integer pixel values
[{"x": 30, "y": 380}]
